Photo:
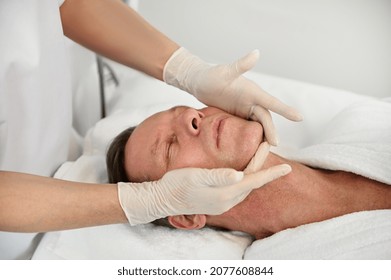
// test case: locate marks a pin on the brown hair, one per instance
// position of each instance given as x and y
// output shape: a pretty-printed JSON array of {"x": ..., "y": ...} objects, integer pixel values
[{"x": 115, "y": 157}]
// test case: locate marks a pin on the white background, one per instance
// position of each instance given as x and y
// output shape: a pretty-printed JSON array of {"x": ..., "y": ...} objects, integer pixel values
[{"x": 344, "y": 44}]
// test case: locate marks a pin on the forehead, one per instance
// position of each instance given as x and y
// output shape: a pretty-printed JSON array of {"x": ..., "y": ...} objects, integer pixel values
[{"x": 140, "y": 149}]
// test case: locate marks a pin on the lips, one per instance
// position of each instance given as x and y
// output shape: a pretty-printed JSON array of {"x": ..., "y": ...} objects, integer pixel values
[{"x": 218, "y": 129}]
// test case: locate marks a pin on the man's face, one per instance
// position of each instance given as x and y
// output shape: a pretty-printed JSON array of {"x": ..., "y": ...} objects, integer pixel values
[{"x": 185, "y": 137}]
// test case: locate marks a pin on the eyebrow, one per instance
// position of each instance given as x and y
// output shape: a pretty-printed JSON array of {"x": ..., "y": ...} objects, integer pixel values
[
  {"x": 155, "y": 155},
  {"x": 155, "y": 145},
  {"x": 158, "y": 141}
]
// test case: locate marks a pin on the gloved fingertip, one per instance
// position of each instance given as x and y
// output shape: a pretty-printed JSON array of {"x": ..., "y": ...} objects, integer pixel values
[
  {"x": 273, "y": 140},
  {"x": 255, "y": 53},
  {"x": 247, "y": 62},
  {"x": 296, "y": 116},
  {"x": 292, "y": 114},
  {"x": 285, "y": 169},
  {"x": 253, "y": 57}
]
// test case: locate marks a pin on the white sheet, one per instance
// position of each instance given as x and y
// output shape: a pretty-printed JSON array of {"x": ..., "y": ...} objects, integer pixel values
[{"x": 139, "y": 97}]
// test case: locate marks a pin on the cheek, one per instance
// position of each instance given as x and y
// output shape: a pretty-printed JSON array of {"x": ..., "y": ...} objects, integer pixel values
[
  {"x": 196, "y": 157},
  {"x": 242, "y": 144}
]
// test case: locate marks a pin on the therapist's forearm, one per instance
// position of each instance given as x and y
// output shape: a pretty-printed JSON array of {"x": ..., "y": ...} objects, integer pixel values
[
  {"x": 30, "y": 203},
  {"x": 111, "y": 28}
]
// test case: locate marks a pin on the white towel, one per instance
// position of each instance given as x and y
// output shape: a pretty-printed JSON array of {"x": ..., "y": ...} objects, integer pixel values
[
  {"x": 362, "y": 235},
  {"x": 358, "y": 140}
]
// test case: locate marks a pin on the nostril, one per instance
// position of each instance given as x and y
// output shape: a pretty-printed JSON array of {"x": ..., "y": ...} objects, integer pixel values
[{"x": 194, "y": 124}]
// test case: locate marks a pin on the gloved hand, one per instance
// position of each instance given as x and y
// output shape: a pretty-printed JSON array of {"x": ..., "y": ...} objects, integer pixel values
[
  {"x": 223, "y": 86},
  {"x": 258, "y": 159},
  {"x": 191, "y": 191}
]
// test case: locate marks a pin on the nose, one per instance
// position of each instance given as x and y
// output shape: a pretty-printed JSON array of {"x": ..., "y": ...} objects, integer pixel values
[{"x": 191, "y": 120}]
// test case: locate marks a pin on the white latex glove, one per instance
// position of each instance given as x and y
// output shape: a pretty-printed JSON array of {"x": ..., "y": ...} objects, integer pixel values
[
  {"x": 191, "y": 191},
  {"x": 225, "y": 87},
  {"x": 258, "y": 159}
]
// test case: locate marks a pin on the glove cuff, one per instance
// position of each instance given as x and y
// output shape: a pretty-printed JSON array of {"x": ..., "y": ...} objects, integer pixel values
[
  {"x": 138, "y": 202},
  {"x": 180, "y": 68},
  {"x": 171, "y": 67}
]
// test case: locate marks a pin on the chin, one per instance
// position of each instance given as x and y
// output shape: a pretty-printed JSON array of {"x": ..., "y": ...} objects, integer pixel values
[{"x": 252, "y": 138}]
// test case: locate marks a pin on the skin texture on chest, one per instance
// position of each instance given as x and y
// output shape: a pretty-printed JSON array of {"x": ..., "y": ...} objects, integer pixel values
[{"x": 306, "y": 195}]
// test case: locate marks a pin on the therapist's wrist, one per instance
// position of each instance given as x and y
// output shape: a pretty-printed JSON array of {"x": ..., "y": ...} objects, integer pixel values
[
  {"x": 165, "y": 54},
  {"x": 181, "y": 69}
]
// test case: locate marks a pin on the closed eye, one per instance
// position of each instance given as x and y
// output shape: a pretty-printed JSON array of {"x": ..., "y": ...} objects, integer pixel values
[{"x": 171, "y": 140}]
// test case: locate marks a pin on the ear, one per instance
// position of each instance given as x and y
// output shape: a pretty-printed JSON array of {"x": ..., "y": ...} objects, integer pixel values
[{"x": 188, "y": 221}]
